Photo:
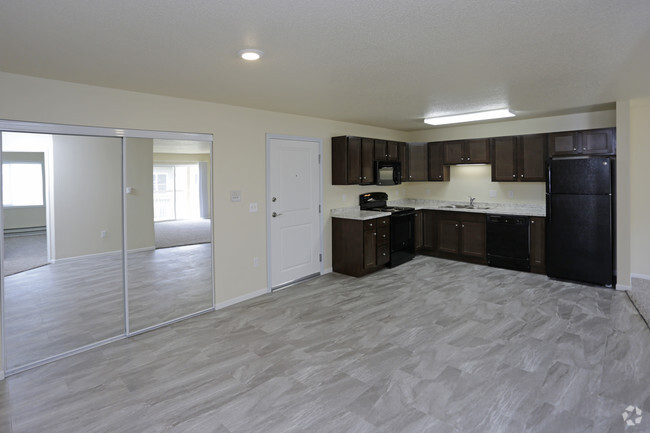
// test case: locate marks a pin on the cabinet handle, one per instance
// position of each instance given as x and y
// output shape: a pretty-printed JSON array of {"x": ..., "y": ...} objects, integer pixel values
[
  {"x": 463, "y": 226},
  {"x": 384, "y": 222},
  {"x": 575, "y": 148},
  {"x": 374, "y": 234},
  {"x": 370, "y": 224},
  {"x": 522, "y": 175},
  {"x": 514, "y": 175},
  {"x": 532, "y": 222},
  {"x": 439, "y": 176},
  {"x": 456, "y": 225},
  {"x": 383, "y": 254},
  {"x": 468, "y": 158}
]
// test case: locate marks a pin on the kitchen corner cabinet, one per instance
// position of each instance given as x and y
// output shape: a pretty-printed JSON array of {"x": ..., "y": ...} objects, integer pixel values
[
  {"x": 537, "y": 245},
  {"x": 438, "y": 172},
  {"x": 417, "y": 231},
  {"x": 418, "y": 162},
  {"x": 360, "y": 247},
  {"x": 352, "y": 160},
  {"x": 475, "y": 151},
  {"x": 588, "y": 142},
  {"x": 403, "y": 150},
  {"x": 521, "y": 158}
]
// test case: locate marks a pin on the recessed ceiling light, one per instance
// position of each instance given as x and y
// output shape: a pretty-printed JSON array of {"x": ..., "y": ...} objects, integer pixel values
[
  {"x": 250, "y": 54},
  {"x": 469, "y": 117}
]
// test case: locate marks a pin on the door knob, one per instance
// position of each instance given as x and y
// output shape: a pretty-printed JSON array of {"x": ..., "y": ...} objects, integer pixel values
[
  {"x": 274, "y": 199},
  {"x": 275, "y": 214}
]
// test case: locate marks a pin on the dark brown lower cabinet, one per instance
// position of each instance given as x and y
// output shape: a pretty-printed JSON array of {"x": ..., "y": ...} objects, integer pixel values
[
  {"x": 537, "y": 245},
  {"x": 419, "y": 235},
  {"x": 455, "y": 235},
  {"x": 360, "y": 247}
]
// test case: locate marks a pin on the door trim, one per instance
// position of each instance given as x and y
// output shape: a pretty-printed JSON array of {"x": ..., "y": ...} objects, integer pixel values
[{"x": 269, "y": 137}]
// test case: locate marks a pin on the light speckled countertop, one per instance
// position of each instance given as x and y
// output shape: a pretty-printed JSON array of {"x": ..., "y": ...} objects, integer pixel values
[{"x": 484, "y": 208}]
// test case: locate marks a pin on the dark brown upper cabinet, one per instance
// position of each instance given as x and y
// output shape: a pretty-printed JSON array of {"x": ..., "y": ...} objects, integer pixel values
[
  {"x": 418, "y": 162},
  {"x": 367, "y": 161},
  {"x": 403, "y": 150},
  {"x": 386, "y": 150},
  {"x": 476, "y": 151},
  {"x": 352, "y": 160},
  {"x": 438, "y": 172},
  {"x": 520, "y": 158},
  {"x": 587, "y": 142}
]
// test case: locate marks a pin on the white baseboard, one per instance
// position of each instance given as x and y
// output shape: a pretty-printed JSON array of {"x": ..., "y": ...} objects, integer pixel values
[
  {"x": 239, "y": 299},
  {"x": 623, "y": 288},
  {"x": 640, "y": 276},
  {"x": 2, "y": 375}
]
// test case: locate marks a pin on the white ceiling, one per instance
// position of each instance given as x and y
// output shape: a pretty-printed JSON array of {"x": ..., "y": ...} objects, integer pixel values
[{"x": 377, "y": 62}]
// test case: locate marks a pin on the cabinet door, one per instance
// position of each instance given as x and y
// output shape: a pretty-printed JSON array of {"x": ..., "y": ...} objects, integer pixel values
[
  {"x": 473, "y": 239},
  {"x": 448, "y": 235},
  {"x": 429, "y": 230},
  {"x": 367, "y": 161},
  {"x": 437, "y": 171},
  {"x": 597, "y": 141},
  {"x": 504, "y": 159},
  {"x": 538, "y": 245},
  {"x": 369, "y": 249},
  {"x": 453, "y": 152},
  {"x": 354, "y": 161},
  {"x": 404, "y": 160},
  {"x": 531, "y": 154},
  {"x": 392, "y": 151},
  {"x": 381, "y": 153},
  {"x": 477, "y": 151},
  {"x": 417, "y": 230},
  {"x": 563, "y": 143},
  {"x": 418, "y": 162}
]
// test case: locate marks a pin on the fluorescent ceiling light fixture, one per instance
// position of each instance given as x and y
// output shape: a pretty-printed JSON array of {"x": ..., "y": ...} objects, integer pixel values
[
  {"x": 469, "y": 117},
  {"x": 250, "y": 54}
]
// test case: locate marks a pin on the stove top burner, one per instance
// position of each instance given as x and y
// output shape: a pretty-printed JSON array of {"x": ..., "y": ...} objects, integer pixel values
[
  {"x": 376, "y": 201},
  {"x": 391, "y": 209}
]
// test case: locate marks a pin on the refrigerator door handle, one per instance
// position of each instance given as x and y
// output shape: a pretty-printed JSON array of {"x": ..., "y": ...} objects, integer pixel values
[
  {"x": 548, "y": 208},
  {"x": 548, "y": 182}
]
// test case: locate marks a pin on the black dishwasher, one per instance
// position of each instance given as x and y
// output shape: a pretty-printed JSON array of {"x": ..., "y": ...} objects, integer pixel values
[{"x": 508, "y": 242}]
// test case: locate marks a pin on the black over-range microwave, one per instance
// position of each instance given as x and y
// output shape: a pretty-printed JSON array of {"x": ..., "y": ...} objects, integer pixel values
[{"x": 388, "y": 173}]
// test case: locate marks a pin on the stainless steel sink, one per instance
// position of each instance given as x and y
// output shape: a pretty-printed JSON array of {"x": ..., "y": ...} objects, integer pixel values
[{"x": 464, "y": 206}]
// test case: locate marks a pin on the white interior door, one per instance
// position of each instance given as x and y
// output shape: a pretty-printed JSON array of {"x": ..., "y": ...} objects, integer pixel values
[{"x": 294, "y": 209}]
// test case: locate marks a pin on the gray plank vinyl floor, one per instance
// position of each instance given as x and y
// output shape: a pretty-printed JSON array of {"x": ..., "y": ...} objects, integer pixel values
[{"x": 430, "y": 346}]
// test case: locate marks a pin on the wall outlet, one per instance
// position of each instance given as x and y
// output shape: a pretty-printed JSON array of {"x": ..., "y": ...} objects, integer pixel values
[
  {"x": 103, "y": 234},
  {"x": 252, "y": 207},
  {"x": 235, "y": 196},
  {"x": 511, "y": 194},
  {"x": 428, "y": 191},
  {"x": 493, "y": 193},
  {"x": 343, "y": 197},
  {"x": 256, "y": 262}
]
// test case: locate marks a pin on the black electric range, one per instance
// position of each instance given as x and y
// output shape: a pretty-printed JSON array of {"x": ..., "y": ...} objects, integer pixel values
[{"x": 402, "y": 226}]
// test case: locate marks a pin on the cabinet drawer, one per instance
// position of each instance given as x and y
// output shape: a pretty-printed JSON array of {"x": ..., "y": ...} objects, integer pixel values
[
  {"x": 376, "y": 223},
  {"x": 383, "y": 254},
  {"x": 383, "y": 235}
]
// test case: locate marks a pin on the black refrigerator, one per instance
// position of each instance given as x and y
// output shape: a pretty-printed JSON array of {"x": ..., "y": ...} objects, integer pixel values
[{"x": 580, "y": 219}]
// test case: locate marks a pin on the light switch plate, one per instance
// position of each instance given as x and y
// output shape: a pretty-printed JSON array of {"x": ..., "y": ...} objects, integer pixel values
[
  {"x": 252, "y": 207},
  {"x": 493, "y": 193},
  {"x": 235, "y": 195}
]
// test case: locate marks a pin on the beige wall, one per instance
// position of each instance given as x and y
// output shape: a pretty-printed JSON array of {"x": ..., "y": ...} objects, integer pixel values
[
  {"x": 639, "y": 184},
  {"x": 87, "y": 173},
  {"x": 139, "y": 204}
]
